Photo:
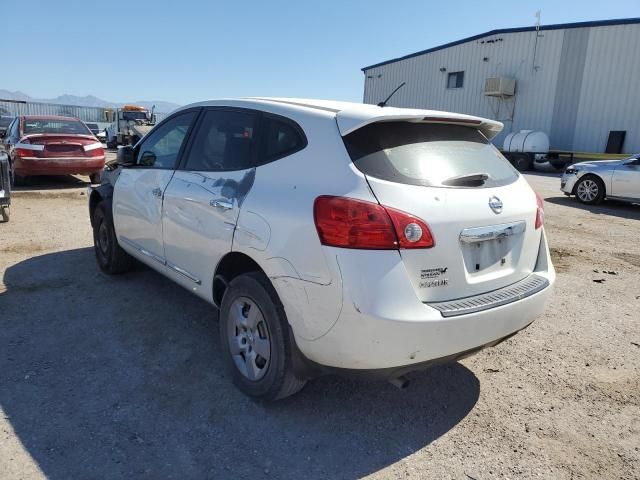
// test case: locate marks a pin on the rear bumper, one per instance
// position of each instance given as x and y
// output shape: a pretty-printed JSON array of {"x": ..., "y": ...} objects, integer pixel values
[
  {"x": 58, "y": 165},
  {"x": 384, "y": 326}
]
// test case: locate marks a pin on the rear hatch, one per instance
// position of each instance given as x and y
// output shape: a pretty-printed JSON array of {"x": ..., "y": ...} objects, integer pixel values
[
  {"x": 481, "y": 212},
  {"x": 63, "y": 145}
]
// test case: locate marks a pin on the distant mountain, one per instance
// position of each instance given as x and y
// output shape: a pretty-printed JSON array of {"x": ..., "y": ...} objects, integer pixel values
[{"x": 88, "y": 101}]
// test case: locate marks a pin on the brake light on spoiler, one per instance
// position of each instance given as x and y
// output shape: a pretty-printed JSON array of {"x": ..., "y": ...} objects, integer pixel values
[{"x": 350, "y": 223}]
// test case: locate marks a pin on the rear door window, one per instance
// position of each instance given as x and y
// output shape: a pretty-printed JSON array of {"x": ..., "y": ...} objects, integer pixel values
[
  {"x": 427, "y": 154},
  {"x": 224, "y": 141}
]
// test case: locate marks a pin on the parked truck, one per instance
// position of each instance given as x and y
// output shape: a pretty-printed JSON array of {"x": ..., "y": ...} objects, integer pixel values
[{"x": 128, "y": 125}]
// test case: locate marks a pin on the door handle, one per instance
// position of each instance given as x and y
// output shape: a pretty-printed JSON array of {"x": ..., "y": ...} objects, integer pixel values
[
  {"x": 156, "y": 192},
  {"x": 222, "y": 204}
]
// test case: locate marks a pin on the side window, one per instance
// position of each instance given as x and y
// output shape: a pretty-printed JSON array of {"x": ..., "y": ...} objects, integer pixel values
[
  {"x": 224, "y": 141},
  {"x": 281, "y": 138},
  {"x": 162, "y": 147}
]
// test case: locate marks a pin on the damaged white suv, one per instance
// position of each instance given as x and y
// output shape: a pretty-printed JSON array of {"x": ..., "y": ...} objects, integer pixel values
[{"x": 333, "y": 237}]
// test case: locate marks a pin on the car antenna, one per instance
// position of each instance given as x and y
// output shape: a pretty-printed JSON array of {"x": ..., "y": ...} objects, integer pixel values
[{"x": 384, "y": 103}]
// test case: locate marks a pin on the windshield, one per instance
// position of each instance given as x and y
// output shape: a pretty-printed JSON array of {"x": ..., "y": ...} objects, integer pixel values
[
  {"x": 5, "y": 121},
  {"x": 134, "y": 115},
  {"x": 427, "y": 154},
  {"x": 55, "y": 126}
]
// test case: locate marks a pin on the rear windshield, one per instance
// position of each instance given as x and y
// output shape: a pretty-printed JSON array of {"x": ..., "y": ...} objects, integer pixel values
[
  {"x": 55, "y": 126},
  {"x": 428, "y": 154}
]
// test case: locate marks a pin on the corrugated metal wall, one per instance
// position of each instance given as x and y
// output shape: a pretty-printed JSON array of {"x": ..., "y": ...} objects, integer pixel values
[
  {"x": 87, "y": 114},
  {"x": 613, "y": 51},
  {"x": 610, "y": 94},
  {"x": 567, "y": 97}
]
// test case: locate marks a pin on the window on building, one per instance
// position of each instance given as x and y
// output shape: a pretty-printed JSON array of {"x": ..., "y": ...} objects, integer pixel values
[{"x": 455, "y": 80}]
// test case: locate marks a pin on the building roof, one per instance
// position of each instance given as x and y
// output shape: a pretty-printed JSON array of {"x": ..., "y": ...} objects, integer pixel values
[{"x": 558, "y": 26}]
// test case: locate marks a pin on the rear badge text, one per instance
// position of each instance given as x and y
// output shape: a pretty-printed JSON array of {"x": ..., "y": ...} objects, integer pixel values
[{"x": 433, "y": 277}]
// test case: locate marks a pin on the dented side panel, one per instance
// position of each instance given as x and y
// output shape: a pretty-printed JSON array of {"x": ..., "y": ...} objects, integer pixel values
[
  {"x": 200, "y": 210},
  {"x": 276, "y": 226}
]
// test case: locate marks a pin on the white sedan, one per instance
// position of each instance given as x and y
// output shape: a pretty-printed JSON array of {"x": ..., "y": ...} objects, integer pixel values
[
  {"x": 592, "y": 182},
  {"x": 333, "y": 237}
]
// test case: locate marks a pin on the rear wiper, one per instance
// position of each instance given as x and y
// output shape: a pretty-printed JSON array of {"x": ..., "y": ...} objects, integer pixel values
[{"x": 467, "y": 180}]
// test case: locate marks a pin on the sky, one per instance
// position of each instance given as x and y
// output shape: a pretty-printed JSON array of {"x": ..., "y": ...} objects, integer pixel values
[{"x": 185, "y": 51}]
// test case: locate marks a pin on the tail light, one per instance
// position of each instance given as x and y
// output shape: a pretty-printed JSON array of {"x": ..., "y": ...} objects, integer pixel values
[
  {"x": 350, "y": 223},
  {"x": 539, "y": 212},
  {"x": 95, "y": 152},
  {"x": 24, "y": 148}
]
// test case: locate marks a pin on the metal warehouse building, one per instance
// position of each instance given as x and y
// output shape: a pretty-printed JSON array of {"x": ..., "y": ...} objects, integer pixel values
[{"x": 578, "y": 82}]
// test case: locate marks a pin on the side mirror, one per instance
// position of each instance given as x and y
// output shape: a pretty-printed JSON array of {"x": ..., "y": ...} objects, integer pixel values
[
  {"x": 3, "y": 134},
  {"x": 125, "y": 156}
]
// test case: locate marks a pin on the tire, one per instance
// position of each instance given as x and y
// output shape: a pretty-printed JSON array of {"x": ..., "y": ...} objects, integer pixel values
[
  {"x": 5, "y": 213},
  {"x": 590, "y": 190},
  {"x": 111, "y": 258},
  {"x": 17, "y": 180},
  {"x": 95, "y": 177},
  {"x": 255, "y": 340},
  {"x": 522, "y": 162}
]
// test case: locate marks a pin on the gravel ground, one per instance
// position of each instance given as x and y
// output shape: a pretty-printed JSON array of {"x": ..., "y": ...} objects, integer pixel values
[{"x": 121, "y": 377}]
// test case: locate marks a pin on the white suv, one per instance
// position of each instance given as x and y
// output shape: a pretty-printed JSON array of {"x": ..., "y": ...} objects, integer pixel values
[{"x": 332, "y": 236}]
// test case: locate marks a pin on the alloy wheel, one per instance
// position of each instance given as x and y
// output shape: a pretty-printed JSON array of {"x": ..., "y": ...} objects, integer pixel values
[{"x": 587, "y": 190}]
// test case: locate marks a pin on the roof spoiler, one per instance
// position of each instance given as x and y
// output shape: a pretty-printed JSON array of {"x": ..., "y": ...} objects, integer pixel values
[{"x": 352, "y": 120}]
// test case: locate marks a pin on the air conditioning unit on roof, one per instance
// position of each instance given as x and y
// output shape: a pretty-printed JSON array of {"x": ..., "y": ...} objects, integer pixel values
[{"x": 500, "y": 87}]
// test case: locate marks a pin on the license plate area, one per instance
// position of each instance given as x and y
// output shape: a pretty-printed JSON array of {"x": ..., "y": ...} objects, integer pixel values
[{"x": 492, "y": 248}]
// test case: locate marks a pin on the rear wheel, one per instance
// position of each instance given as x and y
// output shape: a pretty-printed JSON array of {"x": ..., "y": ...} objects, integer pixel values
[
  {"x": 110, "y": 256},
  {"x": 522, "y": 162},
  {"x": 5, "y": 213},
  {"x": 16, "y": 180},
  {"x": 590, "y": 190},
  {"x": 255, "y": 341}
]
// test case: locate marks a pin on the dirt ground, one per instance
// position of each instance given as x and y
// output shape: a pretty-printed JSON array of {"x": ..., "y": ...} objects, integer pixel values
[{"x": 121, "y": 377}]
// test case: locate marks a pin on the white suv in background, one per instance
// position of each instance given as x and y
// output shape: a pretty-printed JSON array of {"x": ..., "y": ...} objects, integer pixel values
[{"x": 332, "y": 236}]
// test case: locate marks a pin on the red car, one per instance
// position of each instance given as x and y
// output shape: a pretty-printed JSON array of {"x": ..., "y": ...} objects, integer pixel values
[{"x": 52, "y": 145}]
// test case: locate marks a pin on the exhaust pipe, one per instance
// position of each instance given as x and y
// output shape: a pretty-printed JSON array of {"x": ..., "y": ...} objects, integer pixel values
[{"x": 401, "y": 382}]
